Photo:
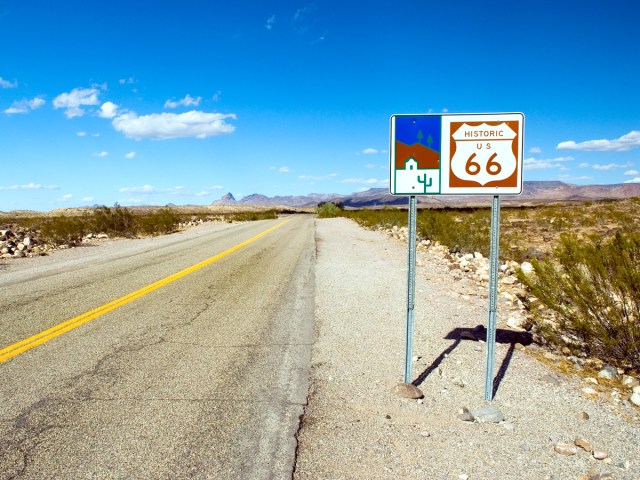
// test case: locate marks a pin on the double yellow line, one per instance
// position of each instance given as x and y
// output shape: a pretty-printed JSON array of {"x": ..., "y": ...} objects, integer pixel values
[{"x": 46, "y": 335}]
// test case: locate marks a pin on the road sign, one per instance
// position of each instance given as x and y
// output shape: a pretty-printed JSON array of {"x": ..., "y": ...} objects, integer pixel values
[{"x": 456, "y": 154}]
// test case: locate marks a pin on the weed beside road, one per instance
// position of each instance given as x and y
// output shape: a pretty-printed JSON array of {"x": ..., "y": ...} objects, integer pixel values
[
  {"x": 118, "y": 221},
  {"x": 525, "y": 232}
]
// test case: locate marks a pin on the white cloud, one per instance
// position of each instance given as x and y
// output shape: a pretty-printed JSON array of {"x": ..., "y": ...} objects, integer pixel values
[
  {"x": 127, "y": 81},
  {"x": 283, "y": 169},
  {"x": 572, "y": 178},
  {"x": 370, "y": 165},
  {"x": 24, "y": 106},
  {"x": 108, "y": 110},
  {"x": 30, "y": 186},
  {"x": 81, "y": 134},
  {"x": 312, "y": 178},
  {"x": 631, "y": 172},
  {"x": 216, "y": 96},
  {"x": 72, "y": 101},
  {"x": 145, "y": 189},
  {"x": 101, "y": 154},
  {"x": 170, "y": 125},
  {"x": 535, "y": 150},
  {"x": 541, "y": 164},
  {"x": 73, "y": 112},
  {"x": 270, "y": 21},
  {"x": 622, "y": 144},
  {"x": 370, "y": 151},
  {"x": 130, "y": 155},
  {"x": 611, "y": 166},
  {"x": 67, "y": 197},
  {"x": 319, "y": 39},
  {"x": 187, "y": 101},
  {"x": 363, "y": 181},
  {"x": 584, "y": 165},
  {"x": 87, "y": 199},
  {"x": 633, "y": 180},
  {"x": 305, "y": 11},
  {"x": 177, "y": 191},
  {"x": 7, "y": 84}
]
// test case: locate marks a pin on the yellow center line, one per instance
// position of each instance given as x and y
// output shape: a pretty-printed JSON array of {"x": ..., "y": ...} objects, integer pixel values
[{"x": 46, "y": 335}]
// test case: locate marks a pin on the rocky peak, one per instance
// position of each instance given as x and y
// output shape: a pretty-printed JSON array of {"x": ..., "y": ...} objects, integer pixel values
[{"x": 227, "y": 199}]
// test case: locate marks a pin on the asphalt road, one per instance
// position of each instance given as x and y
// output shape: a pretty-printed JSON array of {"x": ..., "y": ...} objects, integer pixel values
[{"x": 205, "y": 377}]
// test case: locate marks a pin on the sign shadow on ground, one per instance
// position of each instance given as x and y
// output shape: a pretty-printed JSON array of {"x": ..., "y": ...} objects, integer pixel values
[{"x": 507, "y": 337}]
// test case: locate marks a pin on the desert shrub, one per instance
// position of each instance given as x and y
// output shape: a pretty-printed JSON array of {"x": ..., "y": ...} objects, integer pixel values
[
  {"x": 252, "y": 216},
  {"x": 328, "y": 210},
  {"x": 116, "y": 221},
  {"x": 385, "y": 218},
  {"x": 466, "y": 231},
  {"x": 158, "y": 222},
  {"x": 63, "y": 230},
  {"x": 592, "y": 288}
]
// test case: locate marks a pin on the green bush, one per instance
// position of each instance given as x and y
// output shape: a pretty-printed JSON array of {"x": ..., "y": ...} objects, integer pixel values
[
  {"x": 63, "y": 230},
  {"x": 466, "y": 231},
  {"x": 385, "y": 218},
  {"x": 328, "y": 210},
  {"x": 159, "y": 222},
  {"x": 593, "y": 289},
  {"x": 116, "y": 221},
  {"x": 252, "y": 216}
]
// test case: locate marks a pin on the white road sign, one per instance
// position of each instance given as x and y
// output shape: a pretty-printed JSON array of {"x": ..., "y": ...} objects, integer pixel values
[{"x": 457, "y": 154}]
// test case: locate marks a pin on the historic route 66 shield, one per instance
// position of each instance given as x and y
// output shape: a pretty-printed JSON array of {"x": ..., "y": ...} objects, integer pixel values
[{"x": 483, "y": 153}]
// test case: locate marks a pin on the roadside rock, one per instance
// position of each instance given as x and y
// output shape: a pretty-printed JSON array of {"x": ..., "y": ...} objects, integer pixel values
[
  {"x": 465, "y": 415},
  {"x": 583, "y": 444},
  {"x": 408, "y": 390},
  {"x": 609, "y": 372},
  {"x": 600, "y": 454},
  {"x": 565, "y": 449},
  {"x": 488, "y": 414},
  {"x": 629, "y": 381}
]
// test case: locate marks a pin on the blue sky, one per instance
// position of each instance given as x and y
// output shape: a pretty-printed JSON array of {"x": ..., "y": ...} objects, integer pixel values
[{"x": 142, "y": 102}]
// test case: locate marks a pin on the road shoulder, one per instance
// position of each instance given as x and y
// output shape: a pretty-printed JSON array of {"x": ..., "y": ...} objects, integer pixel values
[{"x": 354, "y": 425}]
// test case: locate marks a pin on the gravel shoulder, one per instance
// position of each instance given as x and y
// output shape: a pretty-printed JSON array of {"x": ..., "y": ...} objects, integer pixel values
[{"x": 355, "y": 426}]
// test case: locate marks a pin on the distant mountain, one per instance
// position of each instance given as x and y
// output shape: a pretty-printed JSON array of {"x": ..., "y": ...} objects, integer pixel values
[
  {"x": 535, "y": 191},
  {"x": 226, "y": 199},
  {"x": 300, "y": 201}
]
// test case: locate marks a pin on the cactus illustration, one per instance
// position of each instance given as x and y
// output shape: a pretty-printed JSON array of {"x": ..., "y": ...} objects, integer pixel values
[{"x": 423, "y": 179}]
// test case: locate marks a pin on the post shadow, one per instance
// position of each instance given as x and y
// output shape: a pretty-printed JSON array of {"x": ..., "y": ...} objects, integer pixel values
[
  {"x": 423, "y": 376},
  {"x": 480, "y": 333}
]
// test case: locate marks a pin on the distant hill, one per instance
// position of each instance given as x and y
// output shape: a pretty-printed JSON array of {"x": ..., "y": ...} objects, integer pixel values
[
  {"x": 533, "y": 192},
  {"x": 226, "y": 199}
]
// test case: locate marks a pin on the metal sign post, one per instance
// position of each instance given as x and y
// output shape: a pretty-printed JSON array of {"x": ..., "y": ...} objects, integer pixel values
[
  {"x": 456, "y": 154},
  {"x": 411, "y": 290},
  {"x": 493, "y": 297}
]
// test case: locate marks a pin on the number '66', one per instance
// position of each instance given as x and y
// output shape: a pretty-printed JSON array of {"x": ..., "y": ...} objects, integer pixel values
[{"x": 492, "y": 168}]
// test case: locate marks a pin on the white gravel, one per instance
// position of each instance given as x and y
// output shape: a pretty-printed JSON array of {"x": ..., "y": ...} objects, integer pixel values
[{"x": 356, "y": 427}]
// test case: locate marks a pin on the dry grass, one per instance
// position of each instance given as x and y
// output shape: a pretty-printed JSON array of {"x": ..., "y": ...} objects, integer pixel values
[{"x": 526, "y": 232}]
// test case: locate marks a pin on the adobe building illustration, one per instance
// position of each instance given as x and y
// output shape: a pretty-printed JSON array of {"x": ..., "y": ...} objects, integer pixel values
[{"x": 416, "y": 156}]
